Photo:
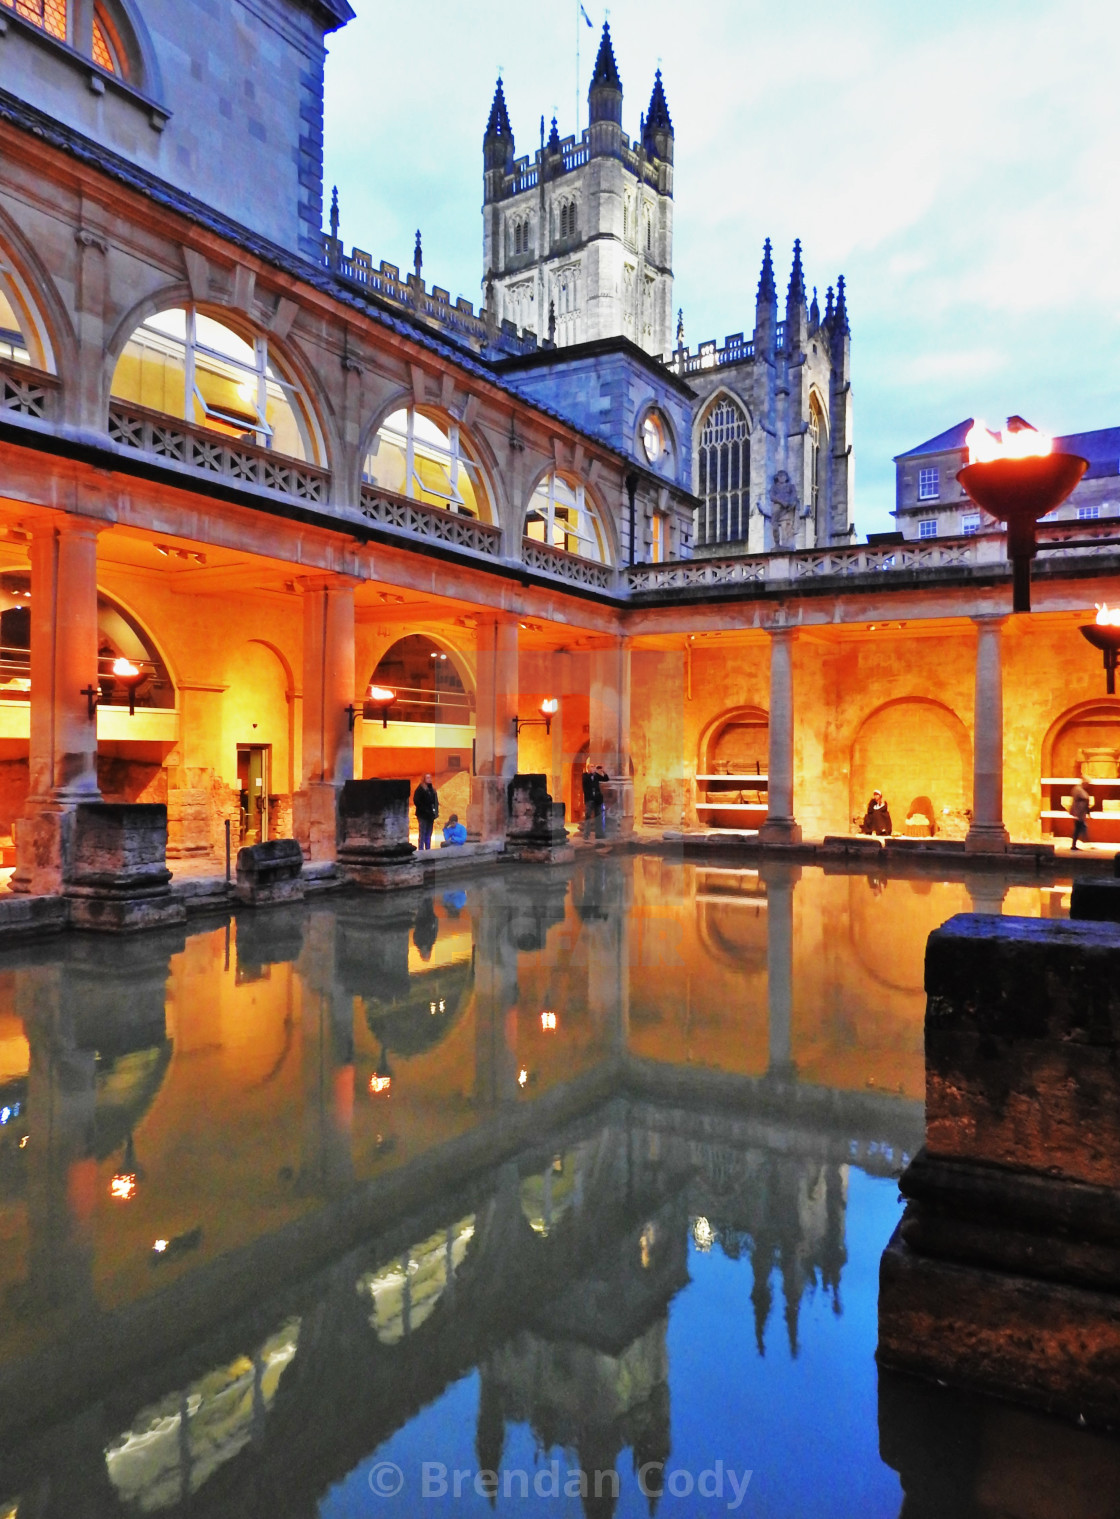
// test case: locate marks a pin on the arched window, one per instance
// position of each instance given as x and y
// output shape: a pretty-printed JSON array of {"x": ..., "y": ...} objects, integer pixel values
[
  {"x": 425, "y": 456},
  {"x": 13, "y": 344},
  {"x": 51, "y": 15},
  {"x": 649, "y": 233},
  {"x": 561, "y": 515},
  {"x": 108, "y": 53},
  {"x": 58, "y": 18},
  {"x": 186, "y": 364},
  {"x": 816, "y": 433},
  {"x": 724, "y": 458}
]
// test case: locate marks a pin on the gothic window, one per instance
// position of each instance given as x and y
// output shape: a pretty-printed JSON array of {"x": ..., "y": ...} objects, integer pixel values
[
  {"x": 13, "y": 344},
  {"x": 816, "y": 432},
  {"x": 424, "y": 455},
  {"x": 107, "y": 50},
  {"x": 186, "y": 364},
  {"x": 520, "y": 231},
  {"x": 724, "y": 467},
  {"x": 568, "y": 219},
  {"x": 561, "y": 515}
]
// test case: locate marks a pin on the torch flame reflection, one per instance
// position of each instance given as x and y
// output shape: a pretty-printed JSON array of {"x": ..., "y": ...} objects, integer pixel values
[
  {"x": 1013, "y": 443},
  {"x": 123, "y": 1186},
  {"x": 379, "y": 1084}
]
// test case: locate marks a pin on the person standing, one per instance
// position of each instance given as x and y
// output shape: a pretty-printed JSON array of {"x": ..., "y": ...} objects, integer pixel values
[
  {"x": 592, "y": 799},
  {"x": 601, "y": 813},
  {"x": 1080, "y": 804},
  {"x": 425, "y": 799}
]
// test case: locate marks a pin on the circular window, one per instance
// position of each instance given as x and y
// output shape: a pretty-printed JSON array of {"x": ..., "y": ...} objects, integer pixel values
[{"x": 653, "y": 438}]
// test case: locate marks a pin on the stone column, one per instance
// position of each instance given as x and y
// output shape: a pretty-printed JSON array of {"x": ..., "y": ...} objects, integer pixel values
[
  {"x": 609, "y": 743},
  {"x": 63, "y": 751},
  {"x": 329, "y": 687},
  {"x": 987, "y": 833},
  {"x": 781, "y": 827},
  {"x": 495, "y": 745}
]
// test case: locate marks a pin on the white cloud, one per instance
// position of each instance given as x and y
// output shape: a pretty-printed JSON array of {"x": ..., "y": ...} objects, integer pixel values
[{"x": 957, "y": 162}]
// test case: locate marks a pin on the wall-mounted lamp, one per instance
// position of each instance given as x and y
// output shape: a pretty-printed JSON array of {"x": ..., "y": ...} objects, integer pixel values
[
  {"x": 549, "y": 708},
  {"x": 130, "y": 676},
  {"x": 377, "y": 696}
]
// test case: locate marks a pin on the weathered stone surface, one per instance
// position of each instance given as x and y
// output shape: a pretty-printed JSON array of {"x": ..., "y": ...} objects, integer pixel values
[
  {"x": 535, "y": 829},
  {"x": 1096, "y": 901},
  {"x": 270, "y": 872},
  {"x": 1004, "y": 1273},
  {"x": 374, "y": 849},
  {"x": 1022, "y": 1029},
  {"x": 118, "y": 880}
]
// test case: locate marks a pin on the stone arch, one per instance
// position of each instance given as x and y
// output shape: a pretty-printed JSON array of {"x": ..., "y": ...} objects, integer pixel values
[
  {"x": 44, "y": 320},
  {"x": 317, "y": 411},
  {"x": 478, "y": 450},
  {"x": 258, "y": 709},
  {"x": 1074, "y": 729},
  {"x": 132, "y": 37},
  {"x": 734, "y": 743},
  {"x": 414, "y": 742},
  {"x": 908, "y": 748},
  {"x": 719, "y": 733},
  {"x": 604, "y": 520}
]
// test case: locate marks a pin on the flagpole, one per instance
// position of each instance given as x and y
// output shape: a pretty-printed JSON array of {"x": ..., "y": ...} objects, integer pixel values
[{"x": 579, "y": 18}]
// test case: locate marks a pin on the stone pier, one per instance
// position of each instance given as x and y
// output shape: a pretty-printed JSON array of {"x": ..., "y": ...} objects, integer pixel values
[
  {"x": 374, "y": 849},
  {"x": 535, "y": 829},
  {"x": 1004, "y": 1273},
  {"x": 118, "y": 880}
]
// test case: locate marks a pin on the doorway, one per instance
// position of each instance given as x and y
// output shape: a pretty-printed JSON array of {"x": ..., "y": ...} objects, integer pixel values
[{"x": 252, "y": 777}]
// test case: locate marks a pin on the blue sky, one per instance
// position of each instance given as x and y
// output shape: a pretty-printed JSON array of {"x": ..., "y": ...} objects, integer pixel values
[{"x": 959, "y": 163}]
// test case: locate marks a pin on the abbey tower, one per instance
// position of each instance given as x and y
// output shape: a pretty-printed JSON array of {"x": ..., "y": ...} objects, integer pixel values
[{"x": 579, "y": 243}]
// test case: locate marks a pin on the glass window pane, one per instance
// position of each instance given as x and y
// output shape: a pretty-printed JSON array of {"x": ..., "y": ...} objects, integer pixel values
[{"x": 12, "y": 343}]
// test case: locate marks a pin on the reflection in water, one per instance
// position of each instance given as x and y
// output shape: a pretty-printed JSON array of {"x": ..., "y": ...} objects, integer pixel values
[{"x": 591, "y": 1165}]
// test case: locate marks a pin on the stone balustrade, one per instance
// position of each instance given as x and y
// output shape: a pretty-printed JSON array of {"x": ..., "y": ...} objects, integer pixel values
[
  {"x": 27, "y": 392},
  {"x": 570, "y": 567},
  {"x": 196, "y": 449},
  {"x": 419, "y": 520}
]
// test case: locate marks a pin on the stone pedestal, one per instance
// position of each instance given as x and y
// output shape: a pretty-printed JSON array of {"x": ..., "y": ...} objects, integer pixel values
[
  {"x": 618, "y": 808},
  {"x": 118, "y": 881},
  {"x": 373, "y": 849},
  {"x": 270, "y": 873},
  {"x": 535, "y": 829},
  {"x": 1004, "y": 1274}
]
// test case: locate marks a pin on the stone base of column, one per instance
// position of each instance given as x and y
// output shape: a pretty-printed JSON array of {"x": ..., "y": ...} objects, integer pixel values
[
  {"x": 987, "y": 838},
  {"x": 780, "y": 831},
  {"x": 488, "y": 812},
  {"x": 43, "y": 849},
  {"x": 118, "y": 881},
  {"x": 374, "y": 849},
  {"x": 315, "y": 820},
  {"x": 269, "y": 874}
]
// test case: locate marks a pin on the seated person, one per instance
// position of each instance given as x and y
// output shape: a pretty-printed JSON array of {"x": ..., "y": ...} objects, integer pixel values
[
  {"x": 453, "y": 831},
  {"x": 877, "y": 819}
]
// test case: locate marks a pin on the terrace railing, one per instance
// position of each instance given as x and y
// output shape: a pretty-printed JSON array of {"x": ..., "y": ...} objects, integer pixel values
[
  {"x": 416, "y": 519},
  {"x": 198, "y": 450},
  {"x": 27, "y": 392},
  {"x": 563, "y": 566}
]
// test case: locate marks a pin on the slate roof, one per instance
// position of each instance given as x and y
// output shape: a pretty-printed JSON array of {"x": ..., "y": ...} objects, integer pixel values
[
  {"x": 27, "y": 118},
  {"x": 1101, "y": 447}
]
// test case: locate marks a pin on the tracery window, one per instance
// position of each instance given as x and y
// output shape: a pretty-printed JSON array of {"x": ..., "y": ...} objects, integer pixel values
[
  {"x": 426, "y": 456},
  {"x": 568, "y": 219},
  {"x": 186, "y": 364},
  {"x": 520, "y": 237},
  {"x": 561, "y": 515},
  {"x": 816, "y": 429},
  {"x": 51, "y": 15},
  {"x": 649, "y": 233},
  {"x": 725, "y": 469}
]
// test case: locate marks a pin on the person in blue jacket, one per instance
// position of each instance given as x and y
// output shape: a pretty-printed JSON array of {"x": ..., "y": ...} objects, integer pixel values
[{"x": 453, "y": 831}]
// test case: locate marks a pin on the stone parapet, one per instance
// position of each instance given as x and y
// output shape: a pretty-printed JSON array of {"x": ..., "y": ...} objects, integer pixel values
[
  {"x": 374, "y": 849},
  {"x": 118, "y": 880},
  {"x": 1004, "y": 1273},
  {"x": 270, "y": 873}
]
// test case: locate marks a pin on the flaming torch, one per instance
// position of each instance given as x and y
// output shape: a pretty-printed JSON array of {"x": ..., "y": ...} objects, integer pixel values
[
  {"x": 1018, "y": 478},
  {"x": 1104, "y": 634},
  {"x": 130, "y": 676}
]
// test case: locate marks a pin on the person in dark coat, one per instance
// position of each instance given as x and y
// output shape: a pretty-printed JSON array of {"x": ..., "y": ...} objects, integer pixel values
[
  {"x": 426, "y": 802},
  {"x": 877, "y": 819},
  {"x": 592, "y": 800}
]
